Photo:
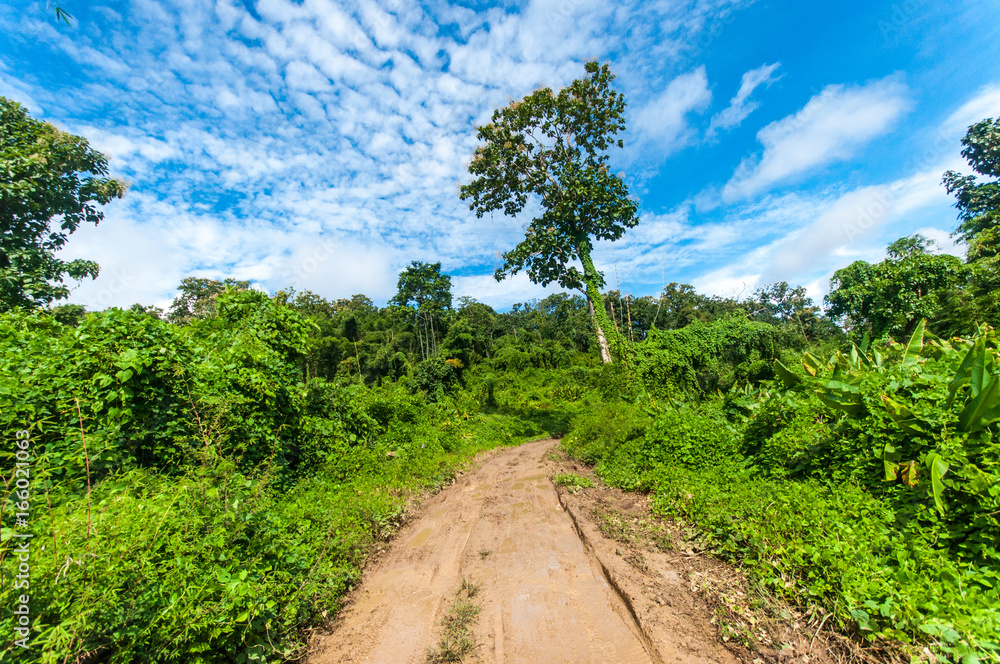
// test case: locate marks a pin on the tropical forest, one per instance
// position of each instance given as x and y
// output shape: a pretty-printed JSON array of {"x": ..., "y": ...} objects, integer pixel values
[{"x": 253, "y": 470}]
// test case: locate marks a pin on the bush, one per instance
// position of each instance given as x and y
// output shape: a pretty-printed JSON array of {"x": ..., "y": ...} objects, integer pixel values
[
  {"x": 435, "y": 378},
  {"x": 704, "y": 357},
  {"x": 119, "y": 377},
  {"x": 602, "y": 428},
  {"x": 676, "y": 437},
  {"x": 842, "y": 547}
]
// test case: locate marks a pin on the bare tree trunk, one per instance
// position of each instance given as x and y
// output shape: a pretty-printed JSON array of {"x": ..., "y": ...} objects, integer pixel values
[
  {"x": 420, "y": 338},
  {"x": 602, "y": 341},
  {"x": 433, "y": 335}
]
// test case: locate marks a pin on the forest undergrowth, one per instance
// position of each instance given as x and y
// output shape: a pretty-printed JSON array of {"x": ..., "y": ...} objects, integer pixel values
[
  {"x": 865, "y": 484},
  {"x": 193, "y": 499}
]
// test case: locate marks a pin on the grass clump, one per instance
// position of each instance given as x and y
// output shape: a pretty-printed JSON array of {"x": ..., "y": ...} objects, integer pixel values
[
  {"x": 572, "y": 481},
  {"x": 458, "y": 639}
]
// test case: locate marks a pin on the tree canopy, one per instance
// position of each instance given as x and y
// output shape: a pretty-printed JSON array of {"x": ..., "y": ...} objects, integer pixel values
[
  {"x": 553, "y": 148},
  {"x": 197, "y": 298},
  {"x": 891, "y": 297},
  {"x": 427, "y": 290},
  {"x": 978, "y": 202},
  {"x": 50, "y": 183}
]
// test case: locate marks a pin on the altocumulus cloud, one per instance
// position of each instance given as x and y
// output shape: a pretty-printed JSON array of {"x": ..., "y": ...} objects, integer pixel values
[{"x": 253, "y": 133}]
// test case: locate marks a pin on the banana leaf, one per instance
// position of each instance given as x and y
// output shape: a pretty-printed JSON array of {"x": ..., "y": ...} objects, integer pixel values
[
  {"x": 982, "y": 409},
  {"x": 904, "y": 417},
  {"x": 938, "y": 467},
  {"x": 915, "y": 344},
  {"x": 784, "y": 374}
]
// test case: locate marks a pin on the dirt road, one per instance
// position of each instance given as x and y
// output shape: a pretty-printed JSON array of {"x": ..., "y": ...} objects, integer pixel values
[{"x": 548, "y": 594}]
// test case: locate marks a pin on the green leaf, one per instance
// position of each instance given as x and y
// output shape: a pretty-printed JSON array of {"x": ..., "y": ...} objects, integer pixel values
[
  {"x": 788, "y": 379},
  {"x": 915, "y": 344},
  {"x": 982, "y": 409},
  {"x": 978, "y": 374},
  {"x": 938, "y": 468},
  {"x": 903, "y": 416},
  {"x": 890, "y": 463},
  {"x": 841, "y": 396},
  {"x": 964, "y": 373}
]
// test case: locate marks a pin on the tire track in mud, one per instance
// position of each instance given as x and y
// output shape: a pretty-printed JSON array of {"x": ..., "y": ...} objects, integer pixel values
[{"x": 545, "y": 593}]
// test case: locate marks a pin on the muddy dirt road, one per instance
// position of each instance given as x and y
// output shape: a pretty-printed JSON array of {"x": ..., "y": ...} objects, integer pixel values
[{"x": 547, "y": 594}]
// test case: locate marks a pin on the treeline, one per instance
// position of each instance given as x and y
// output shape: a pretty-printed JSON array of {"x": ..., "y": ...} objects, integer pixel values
[{"x": 424, "y": 325}]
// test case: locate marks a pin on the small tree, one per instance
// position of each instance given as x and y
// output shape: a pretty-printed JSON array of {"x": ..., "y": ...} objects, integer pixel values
[
  {"x": 50, "y": 183},
  {"x": 554, "y": 147}
]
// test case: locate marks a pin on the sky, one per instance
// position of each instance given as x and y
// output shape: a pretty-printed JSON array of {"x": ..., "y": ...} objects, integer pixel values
[{"x": 320, "y": 145}]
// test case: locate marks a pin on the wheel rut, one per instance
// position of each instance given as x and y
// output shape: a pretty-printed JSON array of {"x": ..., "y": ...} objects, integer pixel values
[{"x": 545, "y": 594}]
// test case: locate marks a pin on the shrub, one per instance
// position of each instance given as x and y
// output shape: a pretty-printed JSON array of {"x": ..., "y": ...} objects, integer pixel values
[
  {"x": 676, "y": 437},
  {"x": 705, "y": 357},
  {"x": 435, "y": 378}
]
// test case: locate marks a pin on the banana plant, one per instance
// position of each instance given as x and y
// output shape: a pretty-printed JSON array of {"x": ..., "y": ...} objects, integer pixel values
[{"x": 975, "y": 386}]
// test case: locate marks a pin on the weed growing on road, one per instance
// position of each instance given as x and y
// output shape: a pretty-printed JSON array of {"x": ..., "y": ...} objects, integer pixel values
[
  {"x": 470, "y": 588},
  {"x": 612, "y": 525},
  {"x": 458, "y": 638},
  {"x": 483, "y": 553},
  {"x": 572, "y": 482}
]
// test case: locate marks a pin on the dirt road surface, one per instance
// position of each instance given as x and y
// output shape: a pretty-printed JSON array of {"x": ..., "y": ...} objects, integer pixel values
[{"x": 548, "y": 593}]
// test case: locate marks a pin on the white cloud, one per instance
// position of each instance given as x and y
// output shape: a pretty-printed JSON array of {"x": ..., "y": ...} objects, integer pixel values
[
  {"x": 832, "y": 230},
  {"x": 741, "y": 105},
  {"x": 17, "y": 91},
  {"x": 985, "y": 104},
  {"x": 252, "y": 137},
  {"x": 831, "y": 126},
  {"x": 662, "y": 122},
  {"x": 804, "y": 238},
  {"x": 501, "y": 294},
  {"x": 303, "y": 76}
]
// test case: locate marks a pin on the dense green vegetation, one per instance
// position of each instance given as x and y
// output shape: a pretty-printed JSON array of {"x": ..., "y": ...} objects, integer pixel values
[
  {"x": 206, "y": 482},
  {"x": 198, "y": 494},
  {"x": 867, "y": 483}
]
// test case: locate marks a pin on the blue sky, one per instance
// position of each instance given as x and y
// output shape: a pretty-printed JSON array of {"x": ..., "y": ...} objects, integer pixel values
[{"x": 320, "y": 144}]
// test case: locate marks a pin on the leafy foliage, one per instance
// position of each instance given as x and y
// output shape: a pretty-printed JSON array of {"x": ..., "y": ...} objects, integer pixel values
[
  {"x": 891, "y": 297},
  {"x": 705, "y": 357},
  {"x": 423, "y": 286},
  {"x": 978, "y": 202},
  {"x": 49, "y": 177},
  {"x": 868, "y": 483},
  {"x": 554, "y": 146},
  {"x": 199, "y": 500}
]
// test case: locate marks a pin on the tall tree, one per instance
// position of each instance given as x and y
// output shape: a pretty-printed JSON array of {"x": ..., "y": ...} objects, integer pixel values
[
  {"x": 423, "y": 287},
  {"x": 553, "y": 148},
  {"x": 50, "y": 183},
  {"x": 978, "y": 203}
]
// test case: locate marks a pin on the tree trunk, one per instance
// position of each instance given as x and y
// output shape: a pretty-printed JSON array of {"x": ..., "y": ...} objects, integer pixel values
[
  {"x": 420, "y": 338},
  {"x": 602, "y": 342},
  {"x": 602, "y": 323}
]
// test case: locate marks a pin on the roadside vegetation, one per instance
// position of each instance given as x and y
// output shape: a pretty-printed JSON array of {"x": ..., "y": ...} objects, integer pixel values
[{"x": 206, "y": 482}]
